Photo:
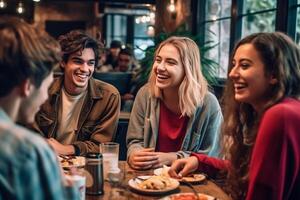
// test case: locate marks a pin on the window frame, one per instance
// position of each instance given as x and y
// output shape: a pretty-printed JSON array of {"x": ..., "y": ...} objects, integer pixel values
[{"x": 285, "y": 19}]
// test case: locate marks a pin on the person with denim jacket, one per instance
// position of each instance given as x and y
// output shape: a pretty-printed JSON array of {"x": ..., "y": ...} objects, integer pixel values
[
  {"x": 29, "y": 168},
  {"x": 174, "y": 114},
  {"x": 81, "y": 112}
]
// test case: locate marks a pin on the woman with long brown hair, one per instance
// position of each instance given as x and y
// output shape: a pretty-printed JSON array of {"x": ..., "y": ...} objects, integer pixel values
[{"x": 261, "y": 140}]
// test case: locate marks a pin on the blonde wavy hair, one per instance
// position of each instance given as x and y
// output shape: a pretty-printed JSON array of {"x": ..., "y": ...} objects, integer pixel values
[{"x": 194, "y": 87}]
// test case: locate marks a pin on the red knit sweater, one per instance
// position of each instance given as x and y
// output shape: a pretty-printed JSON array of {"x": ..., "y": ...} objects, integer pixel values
[{"x": 274, "y": 171}]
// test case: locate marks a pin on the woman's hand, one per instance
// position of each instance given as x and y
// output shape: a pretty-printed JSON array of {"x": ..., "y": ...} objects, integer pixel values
[
  {"x": 183, "y": 167},
  {"x": 165, "y": 159},
  {"x": 143, "y": 159}
]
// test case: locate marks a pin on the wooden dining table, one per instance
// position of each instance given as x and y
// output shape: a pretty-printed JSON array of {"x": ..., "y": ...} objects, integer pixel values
[{"x": 123, "y": 191}]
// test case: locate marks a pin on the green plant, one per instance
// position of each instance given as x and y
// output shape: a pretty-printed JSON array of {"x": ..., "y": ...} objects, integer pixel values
[
  {"x": 263, "y": 22},
  {"x": 209, "y": 67}
]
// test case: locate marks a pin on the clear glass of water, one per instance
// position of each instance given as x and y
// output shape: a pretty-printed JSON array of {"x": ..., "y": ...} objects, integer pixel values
[{"x": 110, "y": 153}]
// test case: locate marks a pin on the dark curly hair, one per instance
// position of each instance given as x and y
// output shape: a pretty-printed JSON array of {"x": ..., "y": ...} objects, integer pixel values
[{"x": 77, "y": 40}]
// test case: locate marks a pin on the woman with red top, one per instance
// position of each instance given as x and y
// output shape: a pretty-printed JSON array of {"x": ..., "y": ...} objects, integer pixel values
[
  {"x": 262, "y": 122},
  {"x": 174, "y": 114}
]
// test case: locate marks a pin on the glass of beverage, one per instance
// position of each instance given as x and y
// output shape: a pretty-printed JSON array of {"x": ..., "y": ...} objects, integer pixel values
[
  {"x": 78, "y": 182},
  {"x": 110, "y": 153}
]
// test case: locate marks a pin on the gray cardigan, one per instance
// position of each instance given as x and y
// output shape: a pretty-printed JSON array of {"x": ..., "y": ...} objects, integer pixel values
[{"x": 203, "y": 130}]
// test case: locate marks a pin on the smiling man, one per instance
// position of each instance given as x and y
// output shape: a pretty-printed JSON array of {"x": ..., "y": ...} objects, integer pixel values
[{"x": 81, "y": 112}]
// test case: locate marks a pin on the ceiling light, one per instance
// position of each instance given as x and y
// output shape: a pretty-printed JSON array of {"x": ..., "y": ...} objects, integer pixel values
[
  {"x": 172, "y": 7},
  {"x": 2, "y": 4},
  {"x": 20, "y": 8},
  {"x": 151, "y": 31}
]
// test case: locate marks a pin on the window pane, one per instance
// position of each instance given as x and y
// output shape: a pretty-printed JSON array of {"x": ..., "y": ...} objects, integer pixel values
[
  {"x": 108, "y": 29},
  {"x": 264, "y": 22},
  {"x": 141, "y": 37},
  {"x": 140, "y": 29},
  {"x": 220, "y": 33},
  {"x": 258, "y": 5},
  {"x": 298, "y": 26},
  {"x": 217, "y": 9},
  {"x": 116, "y": 28},
  {"x": 140, "y": 45}
]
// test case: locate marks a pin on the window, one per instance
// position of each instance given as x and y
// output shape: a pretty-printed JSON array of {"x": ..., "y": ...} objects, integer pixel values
[
  {"x": 297, "y": 35},
  {"x": 258, "y": 16},
  {"x": 142, "y": 40},
  {"x": 116, "y": 28},
  {"x": 227, "y": 21},
  {"x": 217, "y": 28},
  {"x": 130, "y": 32}
]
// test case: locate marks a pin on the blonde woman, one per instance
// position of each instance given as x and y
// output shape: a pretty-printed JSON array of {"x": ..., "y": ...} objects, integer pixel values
[{"x": 174, "y": 114}]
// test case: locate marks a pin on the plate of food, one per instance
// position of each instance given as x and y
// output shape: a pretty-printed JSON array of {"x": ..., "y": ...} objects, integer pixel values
[
  {"x": 153, "y": 184},
  {"x": 68, "y": 162},
  {"x": 188, "y": 196},
  {"x": 192, "y": 178}
]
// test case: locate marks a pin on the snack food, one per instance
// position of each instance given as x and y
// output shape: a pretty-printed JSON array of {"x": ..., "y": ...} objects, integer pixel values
[
  {"x": 193, "y": 178},
  {"x": 72, "y": 161},
  {"x": 155, "y": 183},
  {"x": 188, "y": 197}
]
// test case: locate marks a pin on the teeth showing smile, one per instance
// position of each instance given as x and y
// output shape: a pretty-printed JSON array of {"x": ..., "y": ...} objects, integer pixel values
[
  {"x": 239, "y": 86},
  {"x": 82, "y": 76},
  {"x": 160, "y": 76}
]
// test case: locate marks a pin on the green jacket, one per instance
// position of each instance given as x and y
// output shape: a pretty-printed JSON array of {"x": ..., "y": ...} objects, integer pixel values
[
  {"x": 98, "y": 118},
  {"x": 202, "y": 133}
]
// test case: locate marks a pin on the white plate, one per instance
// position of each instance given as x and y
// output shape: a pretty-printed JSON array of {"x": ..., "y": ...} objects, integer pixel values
[
  {"x": 161, "y": 171},
  {"x": 68, "y": 162},
  {"x": 134, "y": 184},
  {"x": 182, "y": 196},
  {"x": 193, "y": 178}
]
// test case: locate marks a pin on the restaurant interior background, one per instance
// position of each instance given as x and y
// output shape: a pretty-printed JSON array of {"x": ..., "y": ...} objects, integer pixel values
[{"x": 215, "y": 24}]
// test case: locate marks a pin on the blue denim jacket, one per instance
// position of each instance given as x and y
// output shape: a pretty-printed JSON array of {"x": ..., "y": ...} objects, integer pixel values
[{"x": 28, "y": 166}]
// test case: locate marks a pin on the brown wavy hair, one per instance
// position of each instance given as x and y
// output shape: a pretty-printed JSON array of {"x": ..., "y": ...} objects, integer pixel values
[
  {"x": 25, "y": 53},
  {"x": 281, "y": 58},
  {"x": 77, "y": 40}
]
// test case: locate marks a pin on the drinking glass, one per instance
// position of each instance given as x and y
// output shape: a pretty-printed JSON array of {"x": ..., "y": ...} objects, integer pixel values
[
  {"x": 117, "y": 177},
  {"x": 110, "y": 153},
  {"x": 78, "y": 182}
]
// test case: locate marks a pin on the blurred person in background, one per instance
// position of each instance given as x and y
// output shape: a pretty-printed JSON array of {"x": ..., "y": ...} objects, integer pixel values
[
  {"x": 102, "y": 67},
  {"x": 174, "y": 114},
  {"x": 28, "y": 166},
  {"x": 261, "y": 128},
  {"x": 81, "y": 112},
  {"x": 114, "y": 50},
  {"x": 126, "y": 61}
]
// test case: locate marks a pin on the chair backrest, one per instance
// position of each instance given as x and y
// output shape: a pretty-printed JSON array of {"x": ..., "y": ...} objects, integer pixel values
[{"x": 121, "y": 80}]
